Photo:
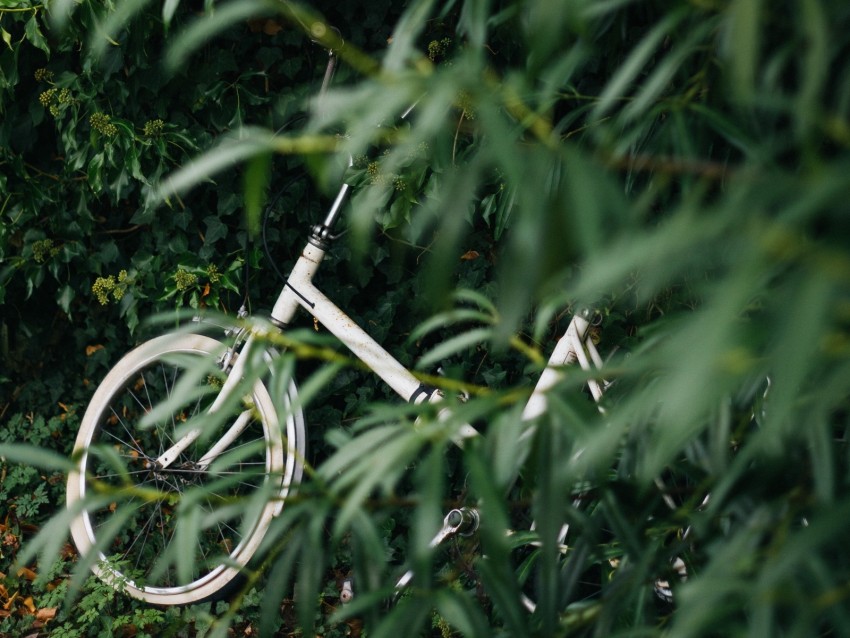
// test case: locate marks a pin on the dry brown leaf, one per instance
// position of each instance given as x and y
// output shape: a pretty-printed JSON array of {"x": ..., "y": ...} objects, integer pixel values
[
  {"x": 272, "y": 27},
  {"x": 26, "y": 572},
  {"x": 45, "y": 614},
  {"x": 8, "y": 604},
  {"x": 29, "y": 604}
]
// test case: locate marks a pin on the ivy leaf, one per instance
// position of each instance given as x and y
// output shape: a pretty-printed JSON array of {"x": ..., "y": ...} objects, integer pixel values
[
  {"x": 215, "y": 230},
  {"x": 95, "y": 178},
  {"x": 65, "y": 297},
  {"x": 35, "y": 36},
  {"x": 7, "y": 37}
]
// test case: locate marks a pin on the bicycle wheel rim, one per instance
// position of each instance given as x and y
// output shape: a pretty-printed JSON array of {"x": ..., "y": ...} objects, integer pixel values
[{"x": 238, "y": 545}]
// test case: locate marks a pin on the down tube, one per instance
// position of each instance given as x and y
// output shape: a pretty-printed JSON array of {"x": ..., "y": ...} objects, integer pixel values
[{"x": 361, "y": 344}]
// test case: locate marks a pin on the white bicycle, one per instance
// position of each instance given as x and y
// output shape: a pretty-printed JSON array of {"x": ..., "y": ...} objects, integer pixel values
[
  {"x": 126, "y": 442},
  {"x": 178, "y": 413}
]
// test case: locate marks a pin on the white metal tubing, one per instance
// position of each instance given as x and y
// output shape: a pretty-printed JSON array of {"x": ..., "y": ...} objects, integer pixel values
[
  {"x": 333, "y": 213},
  {"x": 569, "y": 348},
  {"x": 586, "y": 359},
  {"x": 289, "y": 300},
  {"x": 224, "y": 442},
  {"x": 596, "y": 388},
  {"x": 594, "y": 353},
  {"x": 171, "y": 454},
  {"x": 300, "y": 290},
  {"x": 355, "y": 339}
]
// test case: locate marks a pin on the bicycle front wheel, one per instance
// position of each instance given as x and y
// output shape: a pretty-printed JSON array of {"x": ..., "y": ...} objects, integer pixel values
[{"x": 179, "y": 534}]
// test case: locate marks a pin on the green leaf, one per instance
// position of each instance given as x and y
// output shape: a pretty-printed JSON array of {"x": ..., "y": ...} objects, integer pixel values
[
  {"x": 257, "y": 176},
  {"x": 454, "y": 345},
  {"x": 598, "y": 8},
  {"x": 7, "y": 37},
  {"x": 473, "y": 21},
  {"x": 494, "y": 566},
  {"x": 461, "y": 612},
  {"x": 60, "y": 11},
  {"x": 627, "y": 73},
  {"x": 815, "y": 67},
  {"x": 94, "y": 172},
  {"x": 406, "y": 618},
  {"x": 35, "y": 456},
  {"x": 216, "y": 230},
  {"x": 168, "y": 9},
  {"x": 204, "y": 28},
  {"x": 106, "y": 32},
  {"x": 664, "y": 72},
  {"x": 65, "y": 297},
  {"x": 229, "y": 152},
  {"x": 744, "y": 39},
  {"x": 405, "y": 33},
  {"x": 33, "y": 33},
  {"x": 454, "y": 316},
  {"x": 727, "y": 127},
  {"x": 187, "y": 532}
]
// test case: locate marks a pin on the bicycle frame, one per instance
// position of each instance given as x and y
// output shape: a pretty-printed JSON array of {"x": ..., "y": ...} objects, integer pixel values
[{"x": 300, "y": 291}]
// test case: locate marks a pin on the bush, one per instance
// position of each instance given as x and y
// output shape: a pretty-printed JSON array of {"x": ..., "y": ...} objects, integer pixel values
[{"x": 679, "y": 165}]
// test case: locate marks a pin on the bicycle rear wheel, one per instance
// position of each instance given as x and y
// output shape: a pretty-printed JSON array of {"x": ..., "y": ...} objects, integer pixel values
[{"x": 180, "y": 534}]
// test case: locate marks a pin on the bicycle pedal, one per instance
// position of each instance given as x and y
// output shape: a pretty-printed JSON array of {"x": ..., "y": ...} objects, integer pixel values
[
  {"x": 346, "y": 591},
  {"x": 463, "y": 522}
]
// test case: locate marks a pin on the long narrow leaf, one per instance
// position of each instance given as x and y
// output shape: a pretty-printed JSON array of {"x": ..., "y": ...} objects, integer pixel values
[
  {"x": 454, "y": 345},
  {"x": 203, "y": 29},
  {"x": 628, "y": 72}
]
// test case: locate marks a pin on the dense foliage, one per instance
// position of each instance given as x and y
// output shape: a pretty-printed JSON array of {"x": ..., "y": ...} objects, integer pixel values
[
  {"x": 84, "y": 260},
  {"x": 681, "y": 166}
]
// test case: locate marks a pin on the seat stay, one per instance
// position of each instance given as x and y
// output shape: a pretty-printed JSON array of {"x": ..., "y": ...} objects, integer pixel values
[{"x": 575, "y": 346}]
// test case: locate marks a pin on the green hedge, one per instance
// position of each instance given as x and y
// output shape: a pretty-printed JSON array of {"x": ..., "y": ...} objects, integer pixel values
[{"x": 680, "y": 165}]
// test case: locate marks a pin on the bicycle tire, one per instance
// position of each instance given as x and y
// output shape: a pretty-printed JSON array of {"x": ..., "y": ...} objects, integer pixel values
[{"x": 140, "y": 555}]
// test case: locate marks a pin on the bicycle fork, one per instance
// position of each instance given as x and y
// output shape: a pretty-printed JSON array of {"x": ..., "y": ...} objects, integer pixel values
[{"x": 230, "y": 385}]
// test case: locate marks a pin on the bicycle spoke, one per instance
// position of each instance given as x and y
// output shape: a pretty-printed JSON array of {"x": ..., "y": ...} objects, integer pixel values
[
  {"x": 151, "y": 564},
  {"x": 131, "y": 445}
]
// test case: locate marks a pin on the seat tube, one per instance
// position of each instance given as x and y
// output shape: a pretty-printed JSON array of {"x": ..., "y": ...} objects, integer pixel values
[
  {"x": 305, "y": 268},
  {"x": 308, "y": 263}
]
